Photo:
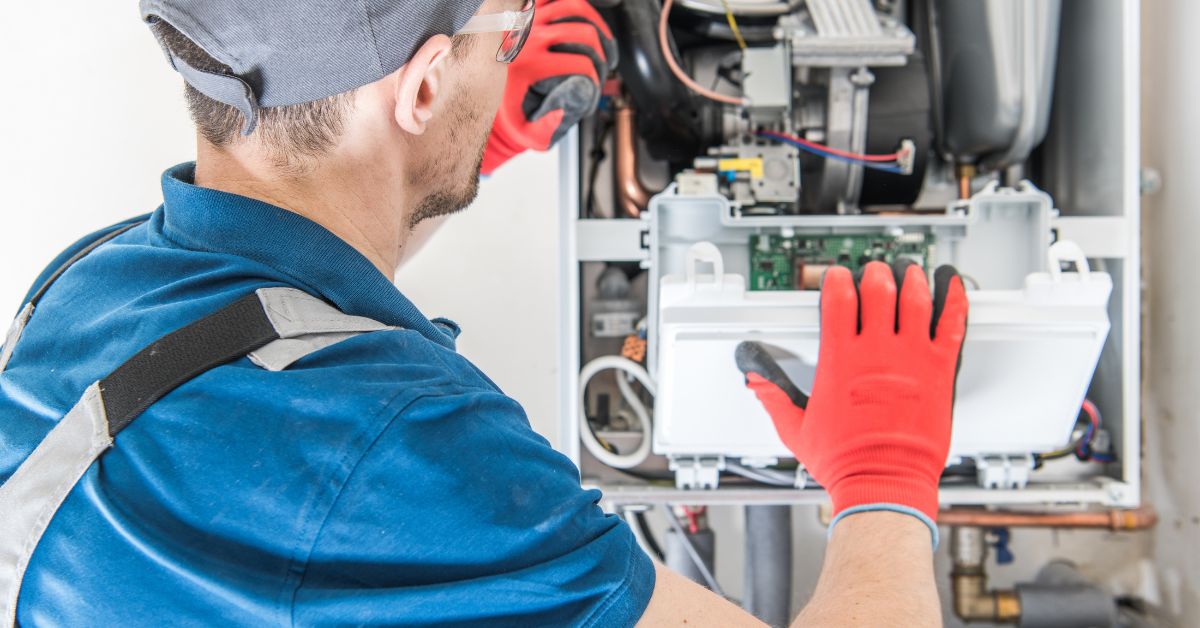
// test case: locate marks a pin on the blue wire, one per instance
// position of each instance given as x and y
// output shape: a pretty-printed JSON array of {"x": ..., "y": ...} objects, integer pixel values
[
  {"x": 1084, "y": 450},
  {"x": 819, "y": 152}
]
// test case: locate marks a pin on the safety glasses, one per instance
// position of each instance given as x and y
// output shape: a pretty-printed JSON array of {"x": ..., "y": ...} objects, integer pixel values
[{"x": 514, "y": 24}]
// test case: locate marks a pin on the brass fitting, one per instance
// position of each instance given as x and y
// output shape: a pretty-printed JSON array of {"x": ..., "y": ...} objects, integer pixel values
[
  {"x": 972, "y": 599},
  {"x": 964, "y": 173},
  {"x": 973, "y": 602}
]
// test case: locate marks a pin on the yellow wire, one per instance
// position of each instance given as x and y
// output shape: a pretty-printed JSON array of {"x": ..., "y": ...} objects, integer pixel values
[
  {"x": 737, "y": 32},
  {"x": 1058, "y": 453}
]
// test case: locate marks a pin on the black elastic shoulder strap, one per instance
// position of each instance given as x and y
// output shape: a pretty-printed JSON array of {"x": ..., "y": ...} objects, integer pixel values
[{"x": 223, "y": 336}]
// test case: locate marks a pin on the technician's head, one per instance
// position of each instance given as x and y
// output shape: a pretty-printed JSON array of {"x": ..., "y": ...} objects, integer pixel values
[{"x": 290, "y": 87}]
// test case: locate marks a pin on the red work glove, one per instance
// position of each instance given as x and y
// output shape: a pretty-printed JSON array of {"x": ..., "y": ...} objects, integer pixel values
[
  {"x": 876, "y": 430},
  {"x": 555, "y": 81}
]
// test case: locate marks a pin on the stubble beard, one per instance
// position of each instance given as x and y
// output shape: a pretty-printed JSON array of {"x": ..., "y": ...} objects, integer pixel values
[{"x": 452, "y": 199}]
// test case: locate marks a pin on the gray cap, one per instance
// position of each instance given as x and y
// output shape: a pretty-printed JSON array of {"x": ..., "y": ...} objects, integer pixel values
[{"x": 286, "y": 52}]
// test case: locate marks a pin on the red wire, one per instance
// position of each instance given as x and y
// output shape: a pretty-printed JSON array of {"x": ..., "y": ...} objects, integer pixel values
[
  {"x": 1093, "y": 413},
  {"x": 693, "y": 517},
  {"x": 841, "y": 153}
]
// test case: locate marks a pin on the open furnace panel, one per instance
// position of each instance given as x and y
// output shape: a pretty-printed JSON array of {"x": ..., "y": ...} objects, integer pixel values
[{"x": 853, "y": 131}]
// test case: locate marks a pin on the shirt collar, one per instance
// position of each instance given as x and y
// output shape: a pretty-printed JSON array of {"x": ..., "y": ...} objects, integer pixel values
[{"x": 318, "y": 261}]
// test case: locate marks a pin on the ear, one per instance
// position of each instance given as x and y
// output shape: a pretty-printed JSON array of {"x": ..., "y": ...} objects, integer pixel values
[{"x": 419, "y": 84}]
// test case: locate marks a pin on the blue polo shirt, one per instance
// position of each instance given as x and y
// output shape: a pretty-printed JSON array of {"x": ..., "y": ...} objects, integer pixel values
[{"x": 384, "y": 480}]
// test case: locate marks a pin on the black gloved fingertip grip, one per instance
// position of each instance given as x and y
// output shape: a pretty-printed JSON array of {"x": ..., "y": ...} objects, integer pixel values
[
  {"x": 941, "y": 288},
  {"x": 752, "y": 357}
]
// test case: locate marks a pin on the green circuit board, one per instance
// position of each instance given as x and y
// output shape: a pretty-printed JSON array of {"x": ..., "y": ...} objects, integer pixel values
[{"x": 796, "y": 262}]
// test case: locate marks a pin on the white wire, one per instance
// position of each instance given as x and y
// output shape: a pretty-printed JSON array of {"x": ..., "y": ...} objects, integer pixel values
[
  {"x": 631, "y": 399},
  {"x": 639, "y": 455},
  {"x": 690, "y": 549},
  {"x": 764, "y": 476}
]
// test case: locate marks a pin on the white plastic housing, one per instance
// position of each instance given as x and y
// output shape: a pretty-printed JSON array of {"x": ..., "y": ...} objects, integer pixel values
[{"x": 1027, "y": 360}]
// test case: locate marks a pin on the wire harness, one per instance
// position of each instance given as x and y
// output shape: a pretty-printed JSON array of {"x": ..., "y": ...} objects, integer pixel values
[{"x": 899, "y": 162}]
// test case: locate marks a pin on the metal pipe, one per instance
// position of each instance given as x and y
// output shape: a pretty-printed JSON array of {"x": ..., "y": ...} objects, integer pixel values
[
  {"x": 964, "y": 173},
  {"x": 692, "y": 553},
  {"x": 632, "y": 196},
  {"x": 680, "y": 560},
  {"x": 968, "y": 579},
  {"x": 768, "y": 567},
  {"x": 1140, "y": 518},
  {"x": 1062, "y": 598}
]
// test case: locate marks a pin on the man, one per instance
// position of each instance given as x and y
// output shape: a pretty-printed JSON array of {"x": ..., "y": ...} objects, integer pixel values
[{"x": 379, "y": 477}]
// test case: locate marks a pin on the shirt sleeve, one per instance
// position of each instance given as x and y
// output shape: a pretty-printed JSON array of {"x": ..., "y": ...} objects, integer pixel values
[{"x": 460, "y": 514}]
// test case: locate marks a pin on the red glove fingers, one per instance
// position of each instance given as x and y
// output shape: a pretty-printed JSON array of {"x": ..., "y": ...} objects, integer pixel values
[
  {"x": 915, "y": 310},
  {"x": 555, "y": 82},
  {"x": 583, "y": 39},
  {"x": 839, "y": 305},
  {"x": 602, "y": 48},
  {"x": 501, "y": 148},
  {"x": 877, "y": 293},
  {"x": 555, "y": 11},
  {"x": 876, "y": 430},
  {"x": 516, "y": 120}
]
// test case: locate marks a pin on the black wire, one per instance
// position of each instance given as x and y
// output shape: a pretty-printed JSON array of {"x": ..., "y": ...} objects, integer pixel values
[
  {"x": 649, "y": 477},
  {"x": 966, "y": 468},
  {"x": 648, "y": 536},
  {"x": 1039, "y": 458},
  {"x": 725, "y": 72}
]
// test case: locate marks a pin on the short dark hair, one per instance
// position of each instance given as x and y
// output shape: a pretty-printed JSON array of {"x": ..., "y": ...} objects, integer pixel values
[{"x": 293, "y": 134}]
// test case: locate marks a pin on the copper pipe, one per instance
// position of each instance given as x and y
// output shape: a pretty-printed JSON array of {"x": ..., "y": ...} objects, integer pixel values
[
  {"x": 1139, "y": 518},
  {"x": 632, "y": 196},
  {"x": 965, "y": 173},
  {"x": 964, "y": 188}
]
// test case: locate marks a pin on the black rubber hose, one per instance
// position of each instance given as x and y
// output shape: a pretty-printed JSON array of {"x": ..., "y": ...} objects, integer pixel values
[{"x": 673, "y": 121}]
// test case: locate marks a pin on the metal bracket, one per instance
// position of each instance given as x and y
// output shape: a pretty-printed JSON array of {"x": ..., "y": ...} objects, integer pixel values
[
  {"x": 846, "y": 33},
  {"x": 1004, "y": 471},
  {"x": 606, "y": 240},
  {"x": 697, "y": 472}
]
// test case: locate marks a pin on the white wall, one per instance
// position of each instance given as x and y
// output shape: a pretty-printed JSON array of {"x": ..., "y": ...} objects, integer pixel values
[
  {"x": 91, "y": 114},
  {"x": 494, "y": 270},
  {"x": 1170, "y": 132}
]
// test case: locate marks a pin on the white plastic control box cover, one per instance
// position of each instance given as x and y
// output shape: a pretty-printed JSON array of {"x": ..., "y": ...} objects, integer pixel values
[{"x": 1027, "y": 359}]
